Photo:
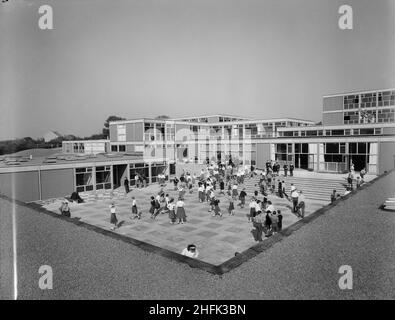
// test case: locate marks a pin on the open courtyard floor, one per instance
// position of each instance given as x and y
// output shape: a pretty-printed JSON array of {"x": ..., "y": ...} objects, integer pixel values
[{"x": 217, "y": 238}]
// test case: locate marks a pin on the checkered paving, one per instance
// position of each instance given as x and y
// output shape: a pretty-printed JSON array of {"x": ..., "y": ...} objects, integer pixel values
[{"x": 217, "y": 238}]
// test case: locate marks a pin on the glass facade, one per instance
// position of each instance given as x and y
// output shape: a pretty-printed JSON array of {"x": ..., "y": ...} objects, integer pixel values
[
  {"x": 103, "y": 177},
  {"x": 84, "y": 179}
]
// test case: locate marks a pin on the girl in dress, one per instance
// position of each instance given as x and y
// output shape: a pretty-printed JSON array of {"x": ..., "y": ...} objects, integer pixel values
[
  {"x": 181, "y": 216},
  {"x": 135, "y": 213},
  {"x": 252, "y": 207},
  {"x": 172, "y": 214},
  {"x": 113, "y": 218}
]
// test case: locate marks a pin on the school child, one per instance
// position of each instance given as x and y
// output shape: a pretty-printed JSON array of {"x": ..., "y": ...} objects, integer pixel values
[
  {"x": 175, "y": 181},
  {"x": 242, "y": 198},
  {"x": 152, "y": 209},
  {"x": 358, "y": 182},
  {"x": 231, "y": 208},
  {"x": 181, "y": 216},
  {"x": 280, "y": 220},
  {"x": 222, "y": 187},
  {"x": 135, "y": 214},
  {"x": 268, "y": 224},
  {"x": 208, "y": 193},
  {"x": 113, "y": 218},
  {"x": 252, "y": 206},
  {"x": 217, "y": 209},
  {"x": 201, "y": 193},
  {"x": 280, "y": 190},
  {"x": 234, "y": 192},
  {"x": 181, "y": 193},
  {"x": 190, "y": 185},
  {"x": 64, "y": 209},
  {"x": 212, "y": 201},
  {"x": 273, "y": 187},
  {"x": 172, "y": 214},
  {"x": 274, "y": 220}
]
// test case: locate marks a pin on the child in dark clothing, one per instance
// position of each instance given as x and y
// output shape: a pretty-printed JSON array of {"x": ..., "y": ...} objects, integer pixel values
[{"x": 280, "y": 220}]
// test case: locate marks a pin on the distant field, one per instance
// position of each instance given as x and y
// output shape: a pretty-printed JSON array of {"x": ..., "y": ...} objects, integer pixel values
[{"x": 37, "y": 152}]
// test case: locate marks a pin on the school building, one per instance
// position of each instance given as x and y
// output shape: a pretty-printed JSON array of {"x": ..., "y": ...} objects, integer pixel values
[{"x": 356, "y": 127}]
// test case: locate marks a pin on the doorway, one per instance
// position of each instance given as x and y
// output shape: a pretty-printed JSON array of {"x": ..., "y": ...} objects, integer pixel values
[
  {"x": 359, "y": 162},
  {"x": 301, "y": 161},
  {"x": 119, "y": 174}
]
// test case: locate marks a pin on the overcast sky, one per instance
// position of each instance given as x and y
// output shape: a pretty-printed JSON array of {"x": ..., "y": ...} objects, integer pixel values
[{"x": 143, "y": 58}]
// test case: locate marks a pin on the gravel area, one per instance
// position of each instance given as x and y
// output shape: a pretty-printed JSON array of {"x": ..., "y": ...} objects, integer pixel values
[{"x": 89, "y": 265}]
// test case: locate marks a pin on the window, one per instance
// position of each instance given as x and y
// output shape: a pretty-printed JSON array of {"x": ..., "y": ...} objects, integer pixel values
[
  {"x": 121, "y": 132},
  {"x": 311, "y": 133},
  {"x": 122, "y": 148},
  {"x": 337, "y": 132},
  {"x": 342, "y": 148},
  {"x": 361, "y": 147},
  {"x": 83, "y": 178},
  {"x": 114, "y": 148},
  {"x": 103, "y": 177},
  {"x": 352, "y": 147},
  {"x": 366, "y": 131},
  {"x": 281, "y": 148},
  {"x": 332, "y": 148}
]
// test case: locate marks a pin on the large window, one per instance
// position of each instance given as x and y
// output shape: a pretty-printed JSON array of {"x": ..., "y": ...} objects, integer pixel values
[
  {"x": 331, "y": 148},
  {"x": 103, "y": 177},
  {"x": 138, "y": 168},
  {"x": 84, "y": 179},
  {"x": 157, "y": 168}
]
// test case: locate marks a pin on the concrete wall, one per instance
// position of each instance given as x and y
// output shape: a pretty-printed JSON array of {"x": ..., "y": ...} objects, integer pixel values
[
  {"x": 57, "y": 183},
  {"x": 22, "y": 186},
  {"x": 331, "y": 119},
  {"x": 262, "y": 154},
  {"x": 333, "y": 103},
  {"x": 386, "y": 156}
]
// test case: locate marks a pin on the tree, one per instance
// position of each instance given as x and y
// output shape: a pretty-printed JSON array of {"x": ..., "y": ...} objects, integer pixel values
[
  {"x": 106, "y": 129},
  {"x": 162, "y": 117}
]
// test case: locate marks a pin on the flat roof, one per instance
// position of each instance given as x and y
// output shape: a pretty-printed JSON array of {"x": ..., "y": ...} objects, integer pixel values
[
  {"x": 250, "y": 120},
  {"x": 9, "y": 163},
  {"x": 357, "y": 92}
]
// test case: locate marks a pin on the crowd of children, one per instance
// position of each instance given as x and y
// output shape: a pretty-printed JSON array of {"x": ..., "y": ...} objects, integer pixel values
[{"x": 218, "y": 179}]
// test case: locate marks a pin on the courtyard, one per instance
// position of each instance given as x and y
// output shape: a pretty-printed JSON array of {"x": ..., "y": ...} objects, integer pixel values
[{"x": 217, "y": 238}]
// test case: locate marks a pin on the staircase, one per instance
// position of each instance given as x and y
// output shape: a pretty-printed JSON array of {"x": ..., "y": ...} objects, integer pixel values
[{"x": 313, "y": 188}]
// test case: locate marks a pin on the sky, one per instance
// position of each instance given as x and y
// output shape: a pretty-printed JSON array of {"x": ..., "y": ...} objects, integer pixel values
[{"x": 144, "y": 58}]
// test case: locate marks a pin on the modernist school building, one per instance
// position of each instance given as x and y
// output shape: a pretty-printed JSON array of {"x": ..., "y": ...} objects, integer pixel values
[{"x": 357, "y": 127}]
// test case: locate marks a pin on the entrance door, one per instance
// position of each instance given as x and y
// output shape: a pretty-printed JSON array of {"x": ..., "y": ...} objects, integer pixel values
[
  {"x": 359, "y": 161},
  {"x": 119, "y": 175}
]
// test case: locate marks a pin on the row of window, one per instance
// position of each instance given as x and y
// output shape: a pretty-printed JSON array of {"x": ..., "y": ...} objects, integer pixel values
[
  {"x": 333, "y": 132},
  {"x": 369, "y": 100}
]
